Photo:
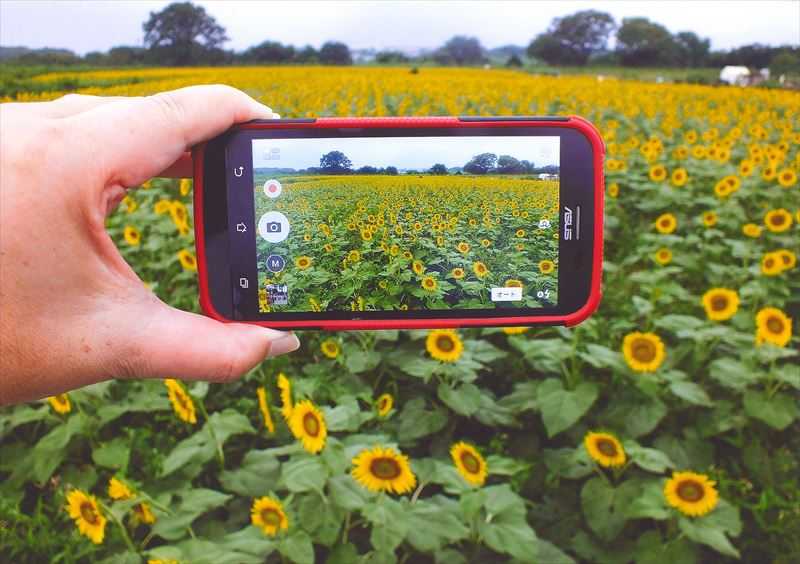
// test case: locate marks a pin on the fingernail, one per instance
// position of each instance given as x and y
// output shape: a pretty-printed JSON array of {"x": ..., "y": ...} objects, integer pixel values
[{"x": 283, "y": 345}]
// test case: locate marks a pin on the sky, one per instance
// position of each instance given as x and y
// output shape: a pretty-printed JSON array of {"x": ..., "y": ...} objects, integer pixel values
[
  {"x": 406, "y": 152},
  {"x": 92, "y": 25}
]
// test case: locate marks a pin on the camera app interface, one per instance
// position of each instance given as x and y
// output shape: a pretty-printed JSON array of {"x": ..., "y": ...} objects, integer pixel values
[{"x": 406, "y": 223}]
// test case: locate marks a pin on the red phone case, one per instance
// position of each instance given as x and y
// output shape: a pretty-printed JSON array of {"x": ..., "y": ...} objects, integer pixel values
[{"x": 573, "y": 122}]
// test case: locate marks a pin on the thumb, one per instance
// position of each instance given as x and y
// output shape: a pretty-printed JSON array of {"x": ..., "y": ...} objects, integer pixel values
[
  {"x": 140, "y": 137},
  {"x": 184, "y": 345}
]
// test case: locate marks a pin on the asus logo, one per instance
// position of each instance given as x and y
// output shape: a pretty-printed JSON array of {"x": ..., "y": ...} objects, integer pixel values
[{"x": 572, "y": 227}]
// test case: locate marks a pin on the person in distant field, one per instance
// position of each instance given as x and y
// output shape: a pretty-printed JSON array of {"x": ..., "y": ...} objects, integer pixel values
[{"x": 72, "y": 311}]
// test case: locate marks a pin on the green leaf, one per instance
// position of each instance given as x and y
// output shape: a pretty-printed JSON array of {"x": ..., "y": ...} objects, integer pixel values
[
  {"x": 679, "y": 323},
  {"x": 505, "y": 528},
  {"x": 545, "y": 355},
  {"x": 297, "y": 547},
  {"x": 733, "y": 374},
  {"x": 304, "y": 474},
  {"x": 603, "y": 357},
  {"x": 257, "y": 470},
  {"x": 648, "y": 459},
  {"x": 711, "y": 529},
  {"x": 523, "y": 398},
  {"x": 635, "y": 414},
  {"x": 563, "y": 408},
  {"x": 193, "y": 503},
  {"x": 49, "y": 452},
  {"x": 346, "y": 416},
  {"x": 652, "y": 549},
  {"x": 777, "y": 411},
  {"x": 415, "y": 422},
  {"x": 343, "y": 554},
  {"x": 505, "y": 466},
  {"x": 389, "y": 521},
  {"x": 650, "y": 503},
  {"x": 464, "y": 399},
  {"x": 605, "y": 506},
  {"x": 113, "y": 454},
  {"x": 548, "y": 553},
  {"x": 438, "y": 523},
  {"x": 690, "y": 392},
  {"x": 570, "y": 463},
  {"x": 346, "y": 493}
]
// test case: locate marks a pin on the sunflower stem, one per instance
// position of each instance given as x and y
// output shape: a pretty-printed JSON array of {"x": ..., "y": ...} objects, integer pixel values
[
  {"x": 220, "y": 453},
  {"x": 125, "y": 536},
  {"x": 418, "y": 491},
  {"x": 346, "y": 528}
]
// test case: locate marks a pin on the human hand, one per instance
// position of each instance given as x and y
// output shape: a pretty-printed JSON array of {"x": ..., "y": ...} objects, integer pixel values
[{"x": 73, "y": 311}]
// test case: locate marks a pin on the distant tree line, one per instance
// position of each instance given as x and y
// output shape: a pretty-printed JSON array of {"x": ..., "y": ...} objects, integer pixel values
[
  {"x": 185, "y": 34},
  {"x": 336, "y": 162}
]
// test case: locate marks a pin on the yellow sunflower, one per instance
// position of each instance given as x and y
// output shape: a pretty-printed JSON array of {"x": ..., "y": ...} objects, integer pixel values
[
  {"x": 469, "y": 463},
  {"x": 143, "y": 514},
  {"x": 187, "y": 260},
  {"x": 263, "y": 407},
  {"x": 788, "y": 258},
  {"x": 605, "y": 449},
  {"x": 444, "y": 345},
  {"x": 383, "y": 469},
  {"x": 118, "y": 490},
  {"x": 663, "y": 256},
  {"x": 690, "y": 493},
  {"x": 84, "y": 510},
  {"x": 644, "y": 352},
  {"x": 679, "y": 177},
  {"x": 179, "y": 213},
  {"x": 773, "y": 326},
  {"x": 513, "y": 283},
  {"x": 429, "y": 284},
  {"x": 479, "y": 269},
  {"x": 308, "y": 426},
  {"x": 787, "y": 178},
  {"x": 520, "y": 233},
  {"x": 751, "y": 230},
  {"x": 778, "y": 221},
  {"x": 417, "y": 267},
  {"x": 457, "y": 273},
  {"x": 267, "y": 514},
  {"x": 185, "y": 186},
  {"x": 353, "y": 256},
  {"x": 720, "y": 303},
  {"x": 285, "y": 387},
  {"x": 613, "y": 190},
  {"x": 330, "y": 348},
  {"x": 722, "y": 189},
  {"x": 710, "y": 218},
  {"x": 132, "y": 236},
  {"x": 666, "y": 223},
  {"x": 771, "y": 264},
  {"x": 658, "y": 173},
  {"x": 463, "y": 248},
  {"x": 162, "y": 206},
  {"x": 546, "y": 266},
  {"x": 485, "y": 243},
  {"x": 384, "y": 404},
  {"x": 515, "y": 330},
  {"x": 60, "y": 403},
  {"x": 302, "y": 262},
  {"x": 181, "y": 401}
]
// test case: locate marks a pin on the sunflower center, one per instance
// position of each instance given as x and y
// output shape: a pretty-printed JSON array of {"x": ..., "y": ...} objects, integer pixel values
[
  {"x": 689, "y": 490},
  {"x": 777, "y": 219},
  {"x": 665, "y": 223},
  {"x": 719, "y": 303},
  {"x": 775, "y": 325},
  {"x": 769, "y": 263},
  {"x": 385, "y": 468},
  {"x": 382, "y": 404},
  {"x": 607, "y": 447},
  {"x": 471, "y": 463},
  {"x": 445, "y": 343},
  {"x": 311, "y": 424},
  {"x": 270, "y": 517},
  {"x": 182, "y": 399},
  {"x": 644, "y": 350},
  {"x": 88, "y": 513},
  {"x": 61, "y": 399}
]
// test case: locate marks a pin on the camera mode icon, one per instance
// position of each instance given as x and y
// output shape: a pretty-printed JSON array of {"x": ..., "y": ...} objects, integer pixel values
[
  {"x": 272, "y": 188},
  {"x": 273, "y": 227},
  {"x": 275, "y": 263}
]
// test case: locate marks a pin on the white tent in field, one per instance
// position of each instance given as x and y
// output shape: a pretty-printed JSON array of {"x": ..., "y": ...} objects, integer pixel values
[{"x": 740, "y": 76}]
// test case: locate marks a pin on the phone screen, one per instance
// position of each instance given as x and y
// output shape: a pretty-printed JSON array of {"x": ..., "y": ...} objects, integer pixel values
[{"x": 346, "y": 224}]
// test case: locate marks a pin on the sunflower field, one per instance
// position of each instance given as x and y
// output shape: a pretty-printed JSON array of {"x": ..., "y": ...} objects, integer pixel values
[
  {"x": 664, "y": 429},
  {"x": 411, "y": 241}
]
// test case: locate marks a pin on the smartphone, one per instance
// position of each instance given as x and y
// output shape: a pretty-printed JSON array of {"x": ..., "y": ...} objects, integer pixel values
[{"x": 385, "y": 223}]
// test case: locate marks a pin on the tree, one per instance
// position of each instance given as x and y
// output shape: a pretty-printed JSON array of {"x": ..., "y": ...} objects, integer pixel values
[
  {"x": 335, "y": 162},
  {"x": 641, "y": 42},
  {"x": 460, "y": 50},
  {"x": 270, "y": 52},
  {"x": 506, "y": 164},
  {"x": 438, "y": 168},
  {"x": 390, "y": 57},
  {"x": 514, "y": 61},
  {"x": 335, "y": 53},
  {"x": 785, "y": 62},
  {"x": 571, "y": 40},
  {"x": 182, "y": 33},
  {"x": 307, "y": 55},
  {"x": 481, "y": 164},
  {"x": 367, "y": 169},
  {"x": 691, "y": 50},
  {"x": 390, "y": 170}
]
